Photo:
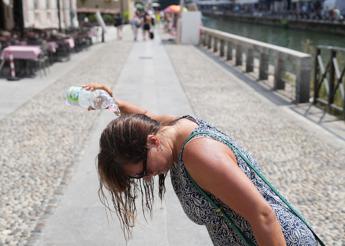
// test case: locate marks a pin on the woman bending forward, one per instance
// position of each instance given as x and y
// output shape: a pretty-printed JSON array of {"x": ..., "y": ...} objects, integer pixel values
[{"x": 202, "y": 161}]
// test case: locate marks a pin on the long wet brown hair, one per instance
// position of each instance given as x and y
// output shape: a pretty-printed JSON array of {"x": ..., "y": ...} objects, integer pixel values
[{"x": 124, "y": 141}]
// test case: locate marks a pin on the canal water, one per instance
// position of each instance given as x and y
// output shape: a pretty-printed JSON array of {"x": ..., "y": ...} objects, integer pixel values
[{"x": 301, "y": 40}]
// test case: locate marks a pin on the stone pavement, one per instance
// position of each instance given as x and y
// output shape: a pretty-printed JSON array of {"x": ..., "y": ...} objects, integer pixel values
[{"x": 48, "y": 182}]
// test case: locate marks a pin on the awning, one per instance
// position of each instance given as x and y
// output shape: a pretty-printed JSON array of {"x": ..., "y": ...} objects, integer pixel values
[{"x": 94, "y": 10}]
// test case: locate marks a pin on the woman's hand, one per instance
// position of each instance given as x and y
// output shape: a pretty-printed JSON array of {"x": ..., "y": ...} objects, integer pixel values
[{"x": 95, "y": 86}]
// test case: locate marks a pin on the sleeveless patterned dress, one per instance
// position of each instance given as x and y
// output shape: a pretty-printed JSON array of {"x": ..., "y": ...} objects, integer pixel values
[{"x": 200, "y": 211}]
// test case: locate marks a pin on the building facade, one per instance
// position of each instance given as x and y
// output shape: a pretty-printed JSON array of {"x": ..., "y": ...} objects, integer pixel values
[
  {"x": 41, "y": 14},
  {"x": 105, "y": 7},
  {"x": 50, "y": 13}
]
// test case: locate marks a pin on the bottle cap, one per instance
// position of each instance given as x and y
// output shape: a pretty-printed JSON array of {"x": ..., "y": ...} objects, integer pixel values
[{"x": 72, "y": 95}]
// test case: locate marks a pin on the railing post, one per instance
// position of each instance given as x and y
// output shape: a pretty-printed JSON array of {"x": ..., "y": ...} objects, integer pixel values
[
  {"x": 278, "y": 73},
  {"x": 343, "y": 101},
  {"x": 203, "y": 38},
  {"x": 342, "y": 93},
  {"x": 331, "y": 79},
  {"x": 238, "y": 61},
  {"x": 200, "y": 38},
  {"x": 263, "y": 67},
  {"x": 215, "y": 45},
  {"x": 209, "y": 41},
  {"x": 228, "y": 51},
  {"x": 316, "y": 75},
  {"x": 303, "y": 80},
  {"x": 250, "y": 61},
  {"x": 221, "y": 48}
]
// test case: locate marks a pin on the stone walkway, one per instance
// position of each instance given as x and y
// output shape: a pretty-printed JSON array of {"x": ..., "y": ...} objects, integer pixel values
[{"x": 48, "y": 182}]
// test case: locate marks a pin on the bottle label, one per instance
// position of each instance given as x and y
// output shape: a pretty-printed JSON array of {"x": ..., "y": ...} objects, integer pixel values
[{"x": 73, "y": 95}]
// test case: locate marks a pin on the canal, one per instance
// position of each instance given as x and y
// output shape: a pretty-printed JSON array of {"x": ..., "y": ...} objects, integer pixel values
[{"x": 301, "y": 40}]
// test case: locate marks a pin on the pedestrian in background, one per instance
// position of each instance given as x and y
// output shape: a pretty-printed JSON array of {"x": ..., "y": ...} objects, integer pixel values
[
  {"x": 118, "y": 24},
  {"x": 135, "y": 25},
  {"x": 146, "y": 26}
]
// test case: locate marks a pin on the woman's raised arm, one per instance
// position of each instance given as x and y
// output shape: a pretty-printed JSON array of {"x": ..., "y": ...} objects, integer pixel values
[{"x": 130, "y": 108}]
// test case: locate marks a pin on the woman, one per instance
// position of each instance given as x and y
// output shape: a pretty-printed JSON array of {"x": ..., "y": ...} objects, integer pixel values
[
  {"x": 135, "y": 24},
  {"x": 209, "y": 175},
  {"x": 118, "y": 22},
  {"x": 146, "y": 25}
]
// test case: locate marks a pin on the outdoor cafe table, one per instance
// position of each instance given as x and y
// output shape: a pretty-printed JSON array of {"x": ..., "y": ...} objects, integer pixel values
[{"x": 20, "y": 53}]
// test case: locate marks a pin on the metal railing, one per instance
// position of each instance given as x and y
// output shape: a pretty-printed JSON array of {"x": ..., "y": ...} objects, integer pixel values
[
  {"x": 328, "y": 81},
  {"x": 300, "y": 63}
]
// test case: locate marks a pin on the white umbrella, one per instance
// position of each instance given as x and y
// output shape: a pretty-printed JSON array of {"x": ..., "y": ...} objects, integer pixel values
[{"x": 6, "y": 2}]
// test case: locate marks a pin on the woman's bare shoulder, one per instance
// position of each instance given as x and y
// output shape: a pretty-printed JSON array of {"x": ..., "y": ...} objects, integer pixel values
[{"x": 207, "y": 152}]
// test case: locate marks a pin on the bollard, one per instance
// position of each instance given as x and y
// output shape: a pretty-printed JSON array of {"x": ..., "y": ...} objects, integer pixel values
[
  {"x": 249, "y": 61},
  {"x": 263, "y": 70},
  {"x": 238, "y": 61},
  {"x": 278, "y": 74}
]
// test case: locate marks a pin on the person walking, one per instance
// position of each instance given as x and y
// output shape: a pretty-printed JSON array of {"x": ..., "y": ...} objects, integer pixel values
[
  {"x": 135, "y": 25},
  {"x": 218, "y": 183},
  {"x": 118, "y": 24},
  {"x": 146, "y": 26}
]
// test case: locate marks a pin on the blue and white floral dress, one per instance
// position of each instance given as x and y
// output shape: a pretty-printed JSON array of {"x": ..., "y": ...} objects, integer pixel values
[{"x": 201, "y": 211}]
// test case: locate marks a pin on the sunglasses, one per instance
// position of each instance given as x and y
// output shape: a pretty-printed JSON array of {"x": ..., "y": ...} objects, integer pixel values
[{"x": 143, "y": 173}]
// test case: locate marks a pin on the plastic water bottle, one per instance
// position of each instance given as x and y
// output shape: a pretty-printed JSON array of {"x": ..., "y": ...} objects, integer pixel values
[{"x": 97, "y": 99}]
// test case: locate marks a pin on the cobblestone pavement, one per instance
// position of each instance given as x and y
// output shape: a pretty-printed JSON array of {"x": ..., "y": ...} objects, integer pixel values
[
  {"x": 42, "y": 139},
  {"x": 304, "y": 162}
]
